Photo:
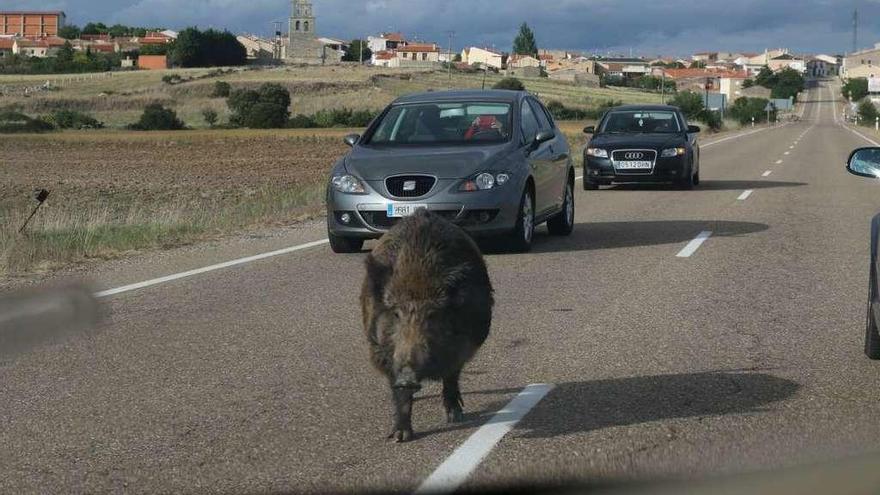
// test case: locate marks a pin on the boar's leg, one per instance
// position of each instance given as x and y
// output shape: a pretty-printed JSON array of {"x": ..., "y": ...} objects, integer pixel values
[
  {"x": 403, "y": 401},
  {"x": 452, "y": 398}
]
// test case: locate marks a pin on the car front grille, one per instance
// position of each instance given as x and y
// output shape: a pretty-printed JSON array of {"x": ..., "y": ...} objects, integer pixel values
[
  {"x": 409, "y": 186},
  {"x": 381, "y": 220},
  {"x": 634, "y": 155}
]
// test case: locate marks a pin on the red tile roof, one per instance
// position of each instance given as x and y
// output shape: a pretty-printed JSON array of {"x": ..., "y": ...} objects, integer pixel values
[
  {"x": 689, "y": 73},
  {"x": 398, "y": 37},
  {"x": 384, "y": 55},
  {"x": 417, "y": 47},
  {"x": 545, "y": 56}
]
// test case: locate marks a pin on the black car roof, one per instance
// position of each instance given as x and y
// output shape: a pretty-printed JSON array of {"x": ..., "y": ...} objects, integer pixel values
[
  {"x": 502, "y": 95},
  {"x": 668, "y": 108}
]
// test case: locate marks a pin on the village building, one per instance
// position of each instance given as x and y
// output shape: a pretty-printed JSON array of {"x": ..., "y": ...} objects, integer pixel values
[
  {"x": 303, "y": 46},
  {"x": 31, "y": 23},
  {"x": 484, "y": 57}
]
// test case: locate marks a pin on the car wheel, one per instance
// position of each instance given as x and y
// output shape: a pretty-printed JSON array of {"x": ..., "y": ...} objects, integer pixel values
[
  {"x": 563, "y": 222},
  {"x": 872, "y": 337},
  {"x": 520, "y": 240},
  {"x": 697, "y": 178},
  {"x": 341, "y": 244}
]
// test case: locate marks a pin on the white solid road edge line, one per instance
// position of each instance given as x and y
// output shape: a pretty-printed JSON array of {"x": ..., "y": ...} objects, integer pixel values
[
  {"x": 745, "y": 195},
  {"x": 695, "y": 244},
  {"x": 219, "y": 266},
  {"x": 866, "y": 138},
  {"x": 458, "y": 466}
]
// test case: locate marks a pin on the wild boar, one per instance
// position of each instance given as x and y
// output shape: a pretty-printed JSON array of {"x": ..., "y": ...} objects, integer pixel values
[{"x": 427, "y": 308}]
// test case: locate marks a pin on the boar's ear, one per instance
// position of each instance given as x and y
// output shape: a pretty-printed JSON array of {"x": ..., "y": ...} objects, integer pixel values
[{"x": 378, "y": 274}]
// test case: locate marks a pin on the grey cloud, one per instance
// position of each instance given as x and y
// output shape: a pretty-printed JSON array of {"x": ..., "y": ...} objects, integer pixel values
[{"x": 649, "y": 27}]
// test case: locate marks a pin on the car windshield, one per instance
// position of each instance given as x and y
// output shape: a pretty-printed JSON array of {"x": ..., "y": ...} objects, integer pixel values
[
  {"x": 443, "y": 123},
  {"x": 641, "y": 121}
]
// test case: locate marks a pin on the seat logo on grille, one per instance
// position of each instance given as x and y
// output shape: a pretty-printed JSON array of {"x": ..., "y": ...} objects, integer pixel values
[
  {"x": 409, "y": 185},
  {"x": 634, "y": 155}
]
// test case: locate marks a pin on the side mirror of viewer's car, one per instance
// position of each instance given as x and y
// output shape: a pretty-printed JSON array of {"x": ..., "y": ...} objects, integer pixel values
[
  {"x": 351, "y": 139},
  {"x": 864, "y": 162},
  {"x": 590, "y": 129},
  {"x": 693, "y": 129}
]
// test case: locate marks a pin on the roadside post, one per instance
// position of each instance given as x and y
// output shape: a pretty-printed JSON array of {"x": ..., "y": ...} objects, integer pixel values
[
  {"x": 768, "y": 109},
  {"x": 41, "y": 197},
  {"x": 877, "y": 123},
  {"x": 753, "y": 122}
]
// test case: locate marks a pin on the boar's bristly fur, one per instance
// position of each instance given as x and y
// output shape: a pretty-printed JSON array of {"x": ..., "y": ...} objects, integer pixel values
[{"x": 427, "y": 308}]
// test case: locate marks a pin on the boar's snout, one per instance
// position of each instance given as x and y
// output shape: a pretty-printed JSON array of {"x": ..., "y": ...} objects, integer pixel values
[{"x": 406, "y": 378}]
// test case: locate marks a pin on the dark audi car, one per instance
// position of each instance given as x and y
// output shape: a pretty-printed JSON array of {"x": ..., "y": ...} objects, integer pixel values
[
  {"x": 642, "y": 143},
  {"x": 493, "y": 162}
]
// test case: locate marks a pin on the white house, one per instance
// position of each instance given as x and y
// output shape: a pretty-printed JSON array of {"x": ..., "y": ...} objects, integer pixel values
[
  {"x": 418, "y": 55},
  {"x": 520, "y": 61},
  {"x": 385, "y": 41},
  {"x": 482, "y": 56}
]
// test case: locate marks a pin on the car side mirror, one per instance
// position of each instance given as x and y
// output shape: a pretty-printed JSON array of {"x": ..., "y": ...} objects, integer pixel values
[
  {"x": 590, "y": 129},
  {"x": 544, "y": 136},
  {"x": 352, "y": 139},
  {"x": 864, "y": 162},
  {"x": 693, "y": 129}
]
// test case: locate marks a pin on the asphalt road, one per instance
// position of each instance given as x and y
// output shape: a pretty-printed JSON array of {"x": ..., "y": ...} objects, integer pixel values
[{"x": 746, "y": 355}]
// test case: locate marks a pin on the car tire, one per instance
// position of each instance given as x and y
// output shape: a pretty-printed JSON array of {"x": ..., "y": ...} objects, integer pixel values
[
  {"x": 872, "y": 337},
  {"x": 688, "y": 182},
  {"x": 562, "y": 223},
  {"x": 344, "y": 245},
  {"x": 520, "y": 240},
  {"x": 697, "y": 178}
]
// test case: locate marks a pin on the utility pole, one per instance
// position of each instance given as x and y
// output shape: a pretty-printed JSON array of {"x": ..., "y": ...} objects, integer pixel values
[
  {"x": 361, "y": 46},
  {"x": 449, "y": 62},
  {"x": 663, "y": 85},
  {"x": 855, "y": 45}
]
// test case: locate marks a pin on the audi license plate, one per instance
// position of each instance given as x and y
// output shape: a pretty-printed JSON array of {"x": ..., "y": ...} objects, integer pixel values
[
  {"x": 398, "y": 210},
  {"x": 631, "y": 165}
]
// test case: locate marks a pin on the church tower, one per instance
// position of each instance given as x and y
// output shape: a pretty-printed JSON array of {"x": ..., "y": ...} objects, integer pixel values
[
  {"x": 304, "y": 47},
  {"x": 302, "y": 22}
]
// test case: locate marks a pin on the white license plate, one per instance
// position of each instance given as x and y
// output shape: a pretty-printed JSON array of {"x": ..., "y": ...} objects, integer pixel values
[
  {"x": 630, "y": 165},
  {"x": 398, "y": 210}
]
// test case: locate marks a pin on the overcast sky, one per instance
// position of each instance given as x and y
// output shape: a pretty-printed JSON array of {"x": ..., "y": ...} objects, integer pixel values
[{"x": 649, "y": 27}]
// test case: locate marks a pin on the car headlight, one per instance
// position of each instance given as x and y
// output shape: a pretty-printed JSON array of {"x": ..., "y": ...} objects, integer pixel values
[
  {"x": 484, "y": 181},
  {"x": 348, "y": 184},
  {"x": 671, "y": 152},
  {"x": 597, "y": 152}
]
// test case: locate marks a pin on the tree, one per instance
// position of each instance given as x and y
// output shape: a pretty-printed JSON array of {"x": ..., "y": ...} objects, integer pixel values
[
  {"x": 65, "y": 55},
  {"x": 690, "y": 103},
  {"x": 210, "y": 116},
  {"x": 698, "y": 64},
  {"x": 789, "y": 83},
  {"x": 211, "y": 48},
  {"x": 867, "y": 112},
  {"x": 510, "y": 83},
  {"x": 69, "y": 32},
  {"x": 748, "y": 83},
  {"x": 158, "y": 118},
  {"x": 744, "y": 109},
  {"x": 524, "y": 43},
  {"x": 221, "y": 89},
  {"x": 118, "y": 30},
  {"x": 766, "y": 78},
  {"x": 353, "y": 52},
  {"x": 268, "y": 107},
  {"x": 855, "y": 89},
  {"x": 95, "y": 28}
]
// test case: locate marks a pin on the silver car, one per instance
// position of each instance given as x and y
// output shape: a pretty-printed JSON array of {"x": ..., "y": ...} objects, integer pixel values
[{"x": 493, "y": 162}]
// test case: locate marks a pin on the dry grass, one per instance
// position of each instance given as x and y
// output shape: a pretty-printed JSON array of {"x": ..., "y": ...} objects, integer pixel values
[
  {"x": 115, "y": 192},
  {"x": 118, "y": 99}
]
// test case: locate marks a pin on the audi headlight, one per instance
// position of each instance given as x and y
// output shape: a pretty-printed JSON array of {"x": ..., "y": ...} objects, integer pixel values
[
  {"x": 597, "y": 152},
  {"x": 348, "y": 184},
  {"x": 672, "y": 152},
  {"x": 484, "y": 181}
]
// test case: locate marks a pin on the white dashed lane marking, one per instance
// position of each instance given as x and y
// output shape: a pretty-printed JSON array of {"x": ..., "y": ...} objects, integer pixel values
[
  {"x": 745, "y": 195},
  {"x": 767, "y": 173},
  {"x": 778, "y": 162},
  {"x": 695, "y": 244}
]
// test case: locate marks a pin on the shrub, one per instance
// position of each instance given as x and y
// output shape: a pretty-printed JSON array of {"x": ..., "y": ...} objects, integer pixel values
[
  {"x": 210, "y": 116},
  {"x": 16, "y": 122},
  {"x": 745, "y": 108},
  {"x": 867, "y": 112},
  {"x": 301, "y": 122},
  {"x": 157, "y": 118},
  {"x": 266, "y": 116},
  {"x": 511, "y": 83},
  {"x": 171, "y": 79},
  {"x": 855, "y": 89},
  {"x": 221, "y": 90},
  {"x": 244, "y": 102},
  {"x": 71, "y": 119},
  {"x": 690, "y": 103}
]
